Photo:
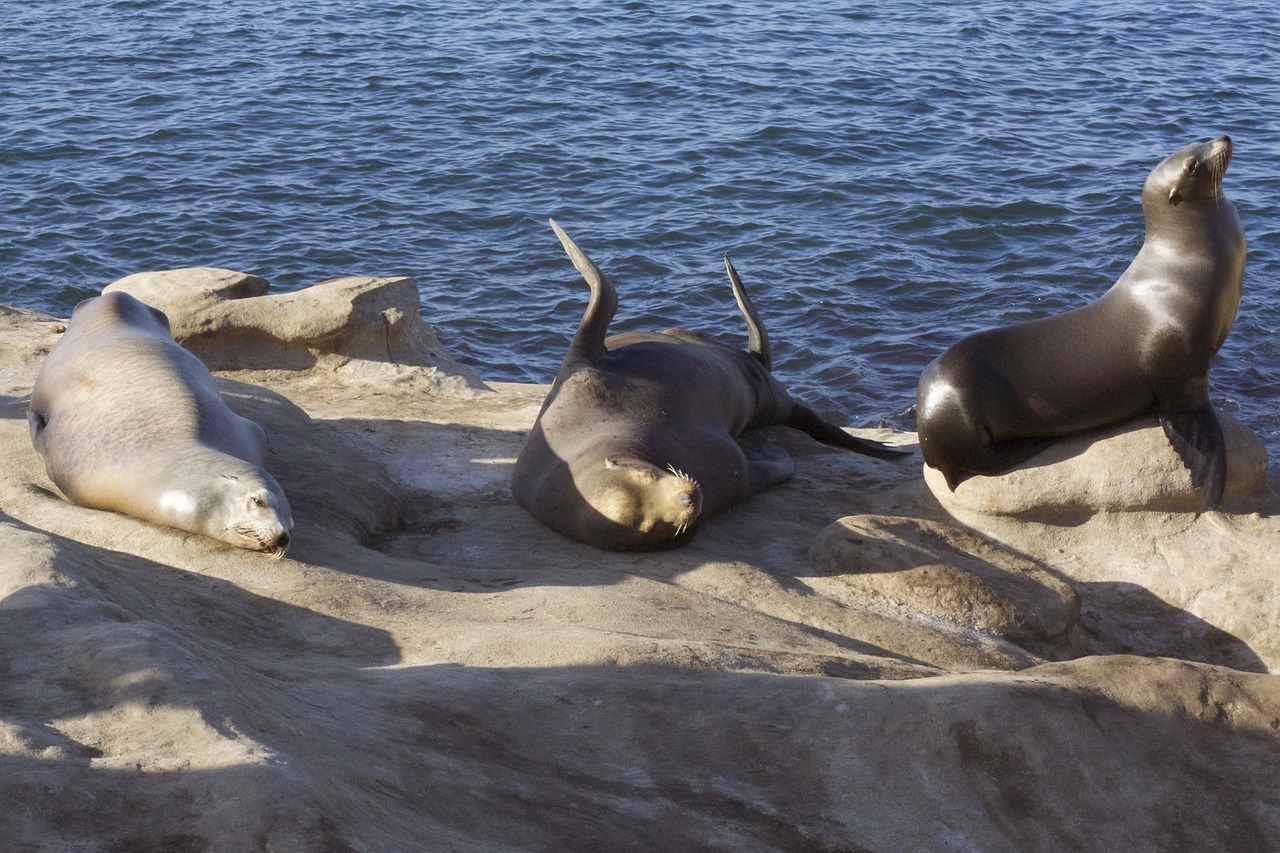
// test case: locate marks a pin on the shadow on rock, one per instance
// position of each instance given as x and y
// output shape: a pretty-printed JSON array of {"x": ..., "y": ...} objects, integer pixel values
[
  {"x": 1125, "y": 618},
  {"x": 452, "y": 758},
  {"x": 14, "y": 407}
]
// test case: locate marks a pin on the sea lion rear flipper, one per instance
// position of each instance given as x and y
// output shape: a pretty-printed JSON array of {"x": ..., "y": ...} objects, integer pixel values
[
  {"x": 807, "y": 421},
  {"x": 588, "y": 340},
  {"x": 757, "y": 337},
  {"x": 1196, "y": 435}
]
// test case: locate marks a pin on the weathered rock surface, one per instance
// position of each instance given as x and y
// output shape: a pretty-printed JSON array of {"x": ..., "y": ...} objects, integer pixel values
[
  {"x": 1124, "y": 468},
  {"x": 945, "y": 571},
  {"x": 182, "y": 294},
  {"x": 429, "y": 669},
  {"x": 362, "y": 328}
]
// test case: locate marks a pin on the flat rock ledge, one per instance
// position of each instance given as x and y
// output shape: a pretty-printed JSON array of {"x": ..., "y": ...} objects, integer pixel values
[{"x": 842, "y": 663}]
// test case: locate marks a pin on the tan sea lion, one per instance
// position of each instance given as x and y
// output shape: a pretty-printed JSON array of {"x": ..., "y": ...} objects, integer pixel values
[
  {"x": 996, "y": 398},
  {"x": 637, "y": 440},
  {"x": 127, "y": 420}
]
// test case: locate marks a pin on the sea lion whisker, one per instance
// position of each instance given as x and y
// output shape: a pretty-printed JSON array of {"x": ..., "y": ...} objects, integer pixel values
[{"x": 683, "y": 476}]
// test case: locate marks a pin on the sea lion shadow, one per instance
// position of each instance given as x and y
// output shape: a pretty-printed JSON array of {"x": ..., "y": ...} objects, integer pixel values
[
  {"x": 14, "y": 407},
  {"x": 400, "y": 488}
]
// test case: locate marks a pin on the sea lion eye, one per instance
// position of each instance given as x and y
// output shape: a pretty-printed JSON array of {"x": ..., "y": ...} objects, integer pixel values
[
  {"x": 1192, "y": 165},
  {"x": 257, "y": 501}
]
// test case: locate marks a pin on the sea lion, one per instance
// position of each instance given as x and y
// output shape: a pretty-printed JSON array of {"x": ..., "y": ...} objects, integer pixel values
[
  {"x": 997, "y": 397},
  {"x": 127, "y": 420},
  {"x": 636, "y": 442}
]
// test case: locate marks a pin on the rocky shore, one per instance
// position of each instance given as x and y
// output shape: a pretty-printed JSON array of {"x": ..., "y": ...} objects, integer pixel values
[{"x": 1067, "y": 657}]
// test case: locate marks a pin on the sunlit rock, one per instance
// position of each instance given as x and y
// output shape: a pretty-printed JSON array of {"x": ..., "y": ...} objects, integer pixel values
[
  {"x": 1129, "y": 467},
  {"x": 361, "y": 327}
]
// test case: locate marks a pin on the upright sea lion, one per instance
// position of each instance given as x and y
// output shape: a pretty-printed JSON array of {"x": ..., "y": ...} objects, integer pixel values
[
  {"x": 636, "y": 442},
  {"x": 997, "y": 397},
  {"x": 127, "y": 420}
]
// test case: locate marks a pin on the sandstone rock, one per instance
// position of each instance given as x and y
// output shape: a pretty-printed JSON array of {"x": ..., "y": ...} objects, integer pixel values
[
  {"x": 1125, "y": 468},
  {"x": 474, "y": 681},
  {"x": 948, "y": 572},
  {"x": 183, "y": 293},
  {"x": 362, "y": 327}
]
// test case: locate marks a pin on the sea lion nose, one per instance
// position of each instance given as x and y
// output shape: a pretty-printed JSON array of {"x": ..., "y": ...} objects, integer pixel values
[
  {"x": 686, "y": 499},
  {"x": 282, "y": 541}
]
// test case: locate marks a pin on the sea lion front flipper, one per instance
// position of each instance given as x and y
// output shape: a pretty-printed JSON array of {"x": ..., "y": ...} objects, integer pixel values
[
  {"x": 807, "y": 421},
  {"x": 767, "y": 463},
  {"x": 757, "y": 337},
  {"x": 36, "y": 422},
  {"x": 588, "y": 340},
  {"x": 1196, "y": 435}
]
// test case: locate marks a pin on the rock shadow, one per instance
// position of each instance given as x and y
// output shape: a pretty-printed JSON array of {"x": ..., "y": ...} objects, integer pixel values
[
  {"x": 452, "y": 758},
  {"x": 1126, "y": 618}
]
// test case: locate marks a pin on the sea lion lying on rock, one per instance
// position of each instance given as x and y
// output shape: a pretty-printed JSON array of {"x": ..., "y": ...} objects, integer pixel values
[
  {"x": 996, "y": 398},
  {"x": 637, "y": 440},
  {"x": 126, "y": 420}
]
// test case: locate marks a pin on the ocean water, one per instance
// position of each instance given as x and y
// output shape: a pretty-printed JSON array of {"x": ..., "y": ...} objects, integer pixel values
[{"x": 886, "y": 176}]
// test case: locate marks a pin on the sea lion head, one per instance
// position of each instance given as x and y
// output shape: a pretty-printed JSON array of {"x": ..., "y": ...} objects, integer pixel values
[
  {"x": 242, "y": 506},
  {"x": 1190, "y": 174},
  {"x": 633, "y": 505}
]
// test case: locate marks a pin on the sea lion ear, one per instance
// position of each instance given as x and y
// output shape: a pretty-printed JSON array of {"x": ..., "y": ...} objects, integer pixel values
[
  {"x": 1174, "y": 197},
  {"x": 232, "y": 477},
  {"x": 610, "y": 463}
]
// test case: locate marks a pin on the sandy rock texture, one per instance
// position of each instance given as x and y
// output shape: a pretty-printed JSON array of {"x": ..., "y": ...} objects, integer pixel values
[
  {"x": 360, "y": 327},
  {"x": 1126, "y": 468},
  {"x": 839, "y": 664}
]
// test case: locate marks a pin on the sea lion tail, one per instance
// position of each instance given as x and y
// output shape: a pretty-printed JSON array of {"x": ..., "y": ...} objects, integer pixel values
[
  {"x": 1196, "y": 435},
  {"x": 807, "y": 421},
  {"x": 600, "y": 308},
  {"x": 757, "y": 337}
]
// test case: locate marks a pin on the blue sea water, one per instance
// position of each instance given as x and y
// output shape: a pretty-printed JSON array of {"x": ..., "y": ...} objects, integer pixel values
[{"x": 886, "y": 176}]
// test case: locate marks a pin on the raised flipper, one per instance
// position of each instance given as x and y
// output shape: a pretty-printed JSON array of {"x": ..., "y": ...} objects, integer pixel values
[
  {"x": 588, "y": 340},
  {"x": 757, "y": 337},
  {"x": 1196, "y": 435},
  {"x": 807, "y": 421}
]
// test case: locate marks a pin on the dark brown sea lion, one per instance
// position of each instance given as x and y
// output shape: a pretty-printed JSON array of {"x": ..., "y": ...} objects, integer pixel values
[
  {"x": 997, "y": 397},
  {"x": 127, "y": 420},
  {"x": 637, "y": 440}
]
